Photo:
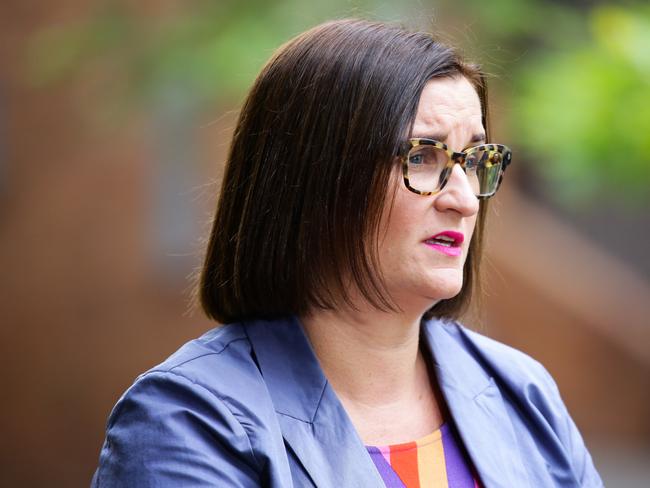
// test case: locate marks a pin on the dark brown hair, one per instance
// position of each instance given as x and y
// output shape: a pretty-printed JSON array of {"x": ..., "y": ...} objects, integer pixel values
[{"x": 308, "y": 170}]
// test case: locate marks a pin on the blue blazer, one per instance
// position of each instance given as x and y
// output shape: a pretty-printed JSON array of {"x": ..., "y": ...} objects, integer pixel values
[{"x": 248, "y": 405}]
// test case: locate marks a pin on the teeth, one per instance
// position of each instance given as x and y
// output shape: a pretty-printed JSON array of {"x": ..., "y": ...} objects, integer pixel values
[
  {"x": 444, "y": 238},
  {"x": 442, "y": 241}
]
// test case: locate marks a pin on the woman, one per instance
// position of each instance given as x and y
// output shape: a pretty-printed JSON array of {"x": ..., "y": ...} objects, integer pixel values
[{"x": 347, "y": 238}]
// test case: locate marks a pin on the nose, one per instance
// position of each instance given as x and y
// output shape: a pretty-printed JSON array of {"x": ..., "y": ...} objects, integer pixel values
[{"x": 457, "y": 195}]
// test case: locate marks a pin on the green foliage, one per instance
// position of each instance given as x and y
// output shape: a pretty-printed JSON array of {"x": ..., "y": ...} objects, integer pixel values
[
  {"x": 212, "y": 48},
  {"x": 585, "y": 110},
  {"x": 581, "y": 107}
]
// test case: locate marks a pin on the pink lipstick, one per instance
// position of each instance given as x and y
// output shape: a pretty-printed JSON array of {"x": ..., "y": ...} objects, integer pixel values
[{"x": 447, "y": 242}]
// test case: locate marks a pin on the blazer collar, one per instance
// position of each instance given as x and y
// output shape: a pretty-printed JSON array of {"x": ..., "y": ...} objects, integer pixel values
[
  {"x": 312, "y": 419},
  {"x": 289, "y": 366},
  {"x": 476, "y": 405},
  {"x": 321, "y": 435}
]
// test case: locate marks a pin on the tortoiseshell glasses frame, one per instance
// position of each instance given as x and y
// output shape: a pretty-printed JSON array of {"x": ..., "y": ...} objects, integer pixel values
[{"x": 427, "y": 165}]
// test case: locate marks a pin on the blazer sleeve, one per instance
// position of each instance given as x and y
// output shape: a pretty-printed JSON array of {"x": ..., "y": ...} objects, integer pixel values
[
  {"x": 170, "y": 431},
  {"x": 566, "y": 429}
]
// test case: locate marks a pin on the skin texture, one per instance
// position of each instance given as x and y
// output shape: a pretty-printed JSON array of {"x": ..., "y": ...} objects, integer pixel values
[{"x": 371, "y": 357}]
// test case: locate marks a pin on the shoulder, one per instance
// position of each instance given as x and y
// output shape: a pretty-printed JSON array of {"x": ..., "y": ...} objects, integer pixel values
[
  {"x": 523, "y": 380},
  {"x": 477, "y": 365},
  {"x": 526, "y": 390},
  {"x": 218, "y": 360},
  {"x": 219, "y": 364},
  {"x": 499, "y": 359},
  {"x": 208, "y": 400}
]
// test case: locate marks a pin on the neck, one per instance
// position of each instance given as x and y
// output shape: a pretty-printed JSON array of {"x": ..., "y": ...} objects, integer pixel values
[{"x": 371, "y": 358}]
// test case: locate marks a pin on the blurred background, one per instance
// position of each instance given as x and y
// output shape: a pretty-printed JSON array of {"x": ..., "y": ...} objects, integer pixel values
[{"x": 114, "y": 121}]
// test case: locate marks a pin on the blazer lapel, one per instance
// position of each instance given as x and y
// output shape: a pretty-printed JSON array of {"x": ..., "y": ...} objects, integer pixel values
[
  {"x": 477, "y": 408},
  {"x": 313, "y": 422}
]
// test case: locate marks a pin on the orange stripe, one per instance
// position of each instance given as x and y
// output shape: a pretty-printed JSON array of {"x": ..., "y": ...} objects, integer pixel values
[
  {"x": 431, "y": 461},
  {"x": 404, "y": 460}
]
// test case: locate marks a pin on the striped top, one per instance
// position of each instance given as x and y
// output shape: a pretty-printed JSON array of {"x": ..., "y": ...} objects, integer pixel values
[{"x": 435, "y": 461}]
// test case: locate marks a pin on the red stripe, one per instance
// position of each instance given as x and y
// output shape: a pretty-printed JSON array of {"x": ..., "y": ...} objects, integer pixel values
[{"x": 404, "y": 460}]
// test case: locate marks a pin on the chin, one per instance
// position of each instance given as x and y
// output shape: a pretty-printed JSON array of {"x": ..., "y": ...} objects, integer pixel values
[
  {"x": 446, "y": 288},
  {"x": 428, "y": 289},
  {"x": 448, "y": 293}
]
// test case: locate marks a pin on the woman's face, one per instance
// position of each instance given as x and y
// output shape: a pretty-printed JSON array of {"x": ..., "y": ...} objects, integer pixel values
[{"x": 417, "y": 268}]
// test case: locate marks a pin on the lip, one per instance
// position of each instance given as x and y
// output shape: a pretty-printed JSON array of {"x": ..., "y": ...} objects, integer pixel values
[{"x": 455, "y": 249}]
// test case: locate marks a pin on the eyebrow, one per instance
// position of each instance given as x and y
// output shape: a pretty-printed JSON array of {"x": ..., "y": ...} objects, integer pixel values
[{"x": 479, "y": 137}]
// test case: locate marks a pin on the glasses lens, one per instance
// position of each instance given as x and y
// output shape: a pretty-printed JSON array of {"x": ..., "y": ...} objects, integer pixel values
[
  {"x": 426, "y": 168},
  {"x": 483, "y": 169}
]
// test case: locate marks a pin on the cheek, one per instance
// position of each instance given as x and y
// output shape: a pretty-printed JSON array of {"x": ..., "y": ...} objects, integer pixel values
[
  {"x": 469, "y": 232},
  {"x": 404, "y": 219},
  {"x": 471, "y": 225},
  {"x": 400, "y": 250}
]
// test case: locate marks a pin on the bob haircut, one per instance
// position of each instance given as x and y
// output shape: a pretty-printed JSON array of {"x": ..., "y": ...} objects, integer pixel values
[{"x": 309, "y": 167}]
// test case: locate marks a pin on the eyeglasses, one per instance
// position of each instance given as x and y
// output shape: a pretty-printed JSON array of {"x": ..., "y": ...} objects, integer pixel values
[{"x": 427, "y": 166}]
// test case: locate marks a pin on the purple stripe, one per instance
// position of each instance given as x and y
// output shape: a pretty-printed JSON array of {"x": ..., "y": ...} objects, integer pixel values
[
  {"x": 388, "y": 474},
  {"x": 458, "y": 470}
]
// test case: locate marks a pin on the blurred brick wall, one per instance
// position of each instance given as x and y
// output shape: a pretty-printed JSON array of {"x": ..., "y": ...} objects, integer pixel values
[{"x": 83, "y": 308}]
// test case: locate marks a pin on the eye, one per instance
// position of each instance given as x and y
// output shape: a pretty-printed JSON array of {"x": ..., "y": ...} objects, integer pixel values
[
  {"x": 416, "y": 159},
  {"x": 427, "y": 156},
  {"x": 470, "y": 160}
]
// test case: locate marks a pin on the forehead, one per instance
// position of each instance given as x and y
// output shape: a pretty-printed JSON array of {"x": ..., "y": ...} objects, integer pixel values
[{"x": 448, "y": 105}]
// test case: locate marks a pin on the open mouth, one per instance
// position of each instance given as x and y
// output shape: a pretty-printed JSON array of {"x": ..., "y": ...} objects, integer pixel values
[
  {"x": 447, "y": 242},
  {"x": 443, "y": 241}
]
